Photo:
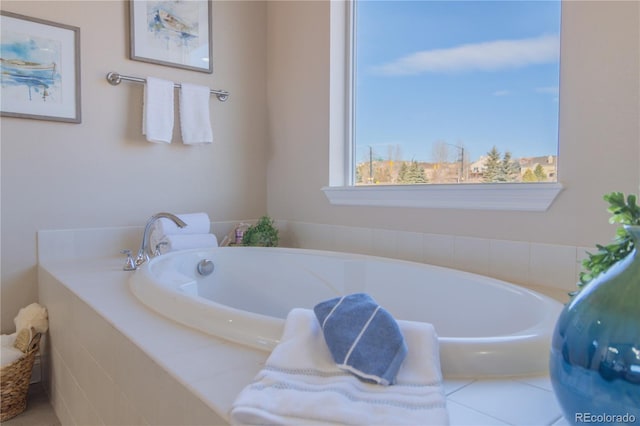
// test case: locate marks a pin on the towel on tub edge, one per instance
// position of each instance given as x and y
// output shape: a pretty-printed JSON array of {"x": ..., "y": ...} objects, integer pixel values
[
  {"x": 197, "y": 223},
  {"x": 185, "y": 242},
  {"x": 301, "y": 384},
  {"x": 363, "y": 337}
]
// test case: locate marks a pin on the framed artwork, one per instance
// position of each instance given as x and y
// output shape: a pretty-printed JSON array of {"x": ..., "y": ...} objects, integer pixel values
[
  {"x": 172, "y": 33},
  {"x": 40, "y": 63}
]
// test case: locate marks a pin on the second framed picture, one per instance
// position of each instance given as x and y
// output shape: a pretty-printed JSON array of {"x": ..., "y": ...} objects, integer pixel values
[{"x": 172, "y": 33}]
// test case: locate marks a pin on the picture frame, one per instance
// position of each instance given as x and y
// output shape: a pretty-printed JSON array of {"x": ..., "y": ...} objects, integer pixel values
[
  {"x": 40, "y": 63},
  {"x": 172, "y": 33}
]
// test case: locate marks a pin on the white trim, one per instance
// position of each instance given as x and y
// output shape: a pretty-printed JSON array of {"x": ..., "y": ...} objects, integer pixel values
[
  {"x": 488, "y": 196},
  {"x": 505, "y": 196}
]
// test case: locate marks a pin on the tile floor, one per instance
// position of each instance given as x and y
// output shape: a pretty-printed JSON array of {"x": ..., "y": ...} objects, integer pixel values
[
  {"x": 516, "y": 401},
  {"x": 523, "y": 402}
]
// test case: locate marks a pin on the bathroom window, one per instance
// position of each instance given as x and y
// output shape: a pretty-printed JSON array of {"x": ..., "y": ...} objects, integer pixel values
[{"x": 454, "y": 91}]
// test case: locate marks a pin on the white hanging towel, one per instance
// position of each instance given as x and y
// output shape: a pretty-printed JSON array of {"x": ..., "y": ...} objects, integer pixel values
[
  {"x": 157, "y": 110},
  {"x": 195, "y": 119}
]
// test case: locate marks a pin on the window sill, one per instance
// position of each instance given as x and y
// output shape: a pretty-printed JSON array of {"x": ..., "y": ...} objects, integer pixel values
[{"x": 501, "y": 196}]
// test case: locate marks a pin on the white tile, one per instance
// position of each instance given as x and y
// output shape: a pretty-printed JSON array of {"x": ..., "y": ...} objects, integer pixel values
[
  {"x": 283, "y": 232},
  {"x": 562, "y": 421},
  {"x": 129, "y": 361},
  {"x": 542, "y": 382},
  {"x": 438, "y": 250},
  {"x": 409, "y": 246},
  {"x": 211, "y": 361},
  {"x": 105, "y": 392},
  {"x": 509, "y": 401},
  {"x": 312, "y": 236},
  {"x": 234, "y": 381},
  {"x": 127, "y": 414},
  {"x": 452, "y": 385},
  {"x": 149, "y": 387},
  {"x": 173, "y": 396},
  {"x": 199, "y": 413},
  {"x": 351, "y": 239},
  {"x": 509, "y": 261},
  {"x": 459, "y": 415},
  {"x": 80, "y": 407},
  {"x": 384, "y": 243},
  {"x": 553, "y": 266},
  {"x": 471, "y": 255}
]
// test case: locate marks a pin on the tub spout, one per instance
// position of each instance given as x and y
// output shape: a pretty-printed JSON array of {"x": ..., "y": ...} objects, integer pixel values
[{"x": 145, "y": 251}]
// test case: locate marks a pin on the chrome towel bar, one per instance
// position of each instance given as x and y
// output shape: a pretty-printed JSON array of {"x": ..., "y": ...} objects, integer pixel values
[{"x": 115, "y": 78}]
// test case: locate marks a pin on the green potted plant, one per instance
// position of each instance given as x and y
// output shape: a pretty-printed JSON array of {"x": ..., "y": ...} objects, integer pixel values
[
  {"x": 263, "y": 234},
  {"x": 624, "y": 212}
]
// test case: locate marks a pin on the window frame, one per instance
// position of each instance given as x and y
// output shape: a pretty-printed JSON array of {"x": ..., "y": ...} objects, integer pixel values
[{"x": 342, "y": 190}]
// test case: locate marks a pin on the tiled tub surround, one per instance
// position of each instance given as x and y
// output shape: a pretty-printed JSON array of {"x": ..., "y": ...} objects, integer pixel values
[{"x": 112, "y": 361}]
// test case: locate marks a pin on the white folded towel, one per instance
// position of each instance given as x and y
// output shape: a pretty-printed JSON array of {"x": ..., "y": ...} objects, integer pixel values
[
  {"x": 195, "y": 119},
  {"x": 177, "y": 242},
  {"x": 197, "y": 223},
  {"x": 8, "y": 352},
  {"x": 301, "y": 384},
  {"x": 157, "y": 110}
]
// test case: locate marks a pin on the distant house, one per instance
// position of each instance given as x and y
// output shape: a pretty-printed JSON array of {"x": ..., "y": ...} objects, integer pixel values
[
  {"x": 477, "y": 168},
  {"x": 548, "y": 164}
]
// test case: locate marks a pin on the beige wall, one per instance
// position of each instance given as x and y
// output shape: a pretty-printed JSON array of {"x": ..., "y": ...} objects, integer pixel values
[
  {"x": 102, "y": 172},
  {"x": 599, "y": 130}
]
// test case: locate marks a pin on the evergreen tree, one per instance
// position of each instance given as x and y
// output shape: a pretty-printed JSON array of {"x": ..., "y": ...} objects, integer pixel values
[
  {"x": 510, "y": 169},
  {"x": 493, "y": 167},
  {"x": 416, "y": 173},
  {"x": 412, "y": 173},
  {"x": 500, "y": 169}
]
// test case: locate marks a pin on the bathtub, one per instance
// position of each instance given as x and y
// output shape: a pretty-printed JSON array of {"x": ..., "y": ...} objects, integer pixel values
[{"x": 486, "y": 327}]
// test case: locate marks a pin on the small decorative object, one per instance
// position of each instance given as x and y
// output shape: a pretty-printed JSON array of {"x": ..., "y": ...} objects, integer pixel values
[
  {"x": 263, "y": 234},
  {"x": 40, "y": 63},
  {"x": 595, "y": 353},
  {"x": 173, "y": 33}
]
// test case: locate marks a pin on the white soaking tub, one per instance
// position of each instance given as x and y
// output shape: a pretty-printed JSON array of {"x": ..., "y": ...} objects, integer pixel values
[{"x": 486, "y": 327}]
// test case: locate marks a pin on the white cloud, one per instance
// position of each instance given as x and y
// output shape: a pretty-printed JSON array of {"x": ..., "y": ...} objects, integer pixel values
[
  {"x": 501, "y": 93},
  {"x": 486, "y": 56}
]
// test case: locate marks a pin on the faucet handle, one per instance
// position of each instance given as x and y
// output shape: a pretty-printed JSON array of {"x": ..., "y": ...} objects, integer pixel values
[
  {"x": 130, "y": 264},
  {"x": 157, "y": 251}
]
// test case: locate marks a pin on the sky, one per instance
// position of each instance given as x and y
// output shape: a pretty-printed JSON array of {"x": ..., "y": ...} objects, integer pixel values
[{"x": 476, "y": 74}]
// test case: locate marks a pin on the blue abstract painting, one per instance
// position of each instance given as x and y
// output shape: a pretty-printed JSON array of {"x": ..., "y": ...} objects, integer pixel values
[{"x": 30, "y": 67}]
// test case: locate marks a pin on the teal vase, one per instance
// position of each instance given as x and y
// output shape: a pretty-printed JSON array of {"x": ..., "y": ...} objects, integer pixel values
[{"x": 595, "y": 352}]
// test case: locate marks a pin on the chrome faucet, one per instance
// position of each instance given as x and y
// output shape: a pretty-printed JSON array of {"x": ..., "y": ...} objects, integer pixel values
[{"x": 145, "y": 251}]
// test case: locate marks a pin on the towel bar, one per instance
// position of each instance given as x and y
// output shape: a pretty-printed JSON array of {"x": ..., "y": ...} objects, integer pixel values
[{"x": 115, "y": 78}]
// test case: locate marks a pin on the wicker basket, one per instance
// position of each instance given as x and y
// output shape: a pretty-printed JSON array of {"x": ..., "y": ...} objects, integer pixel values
[{"x": 14, "y": 382}]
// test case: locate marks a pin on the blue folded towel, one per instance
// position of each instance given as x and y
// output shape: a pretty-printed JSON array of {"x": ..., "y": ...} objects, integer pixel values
[{"x": 363, "y": 337}]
